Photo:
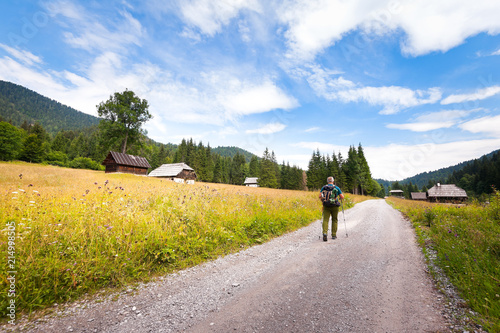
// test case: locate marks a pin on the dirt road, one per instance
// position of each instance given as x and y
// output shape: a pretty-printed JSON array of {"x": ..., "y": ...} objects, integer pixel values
[{"x": 372, "y": 281}]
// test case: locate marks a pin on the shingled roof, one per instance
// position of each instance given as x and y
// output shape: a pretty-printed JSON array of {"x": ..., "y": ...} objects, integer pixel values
[
  {"x": 446, "y": 191},
  {"x": 129, "y": 160},
  {"x": 418, "y": 195},
  {"x": 169, "y": 170}
]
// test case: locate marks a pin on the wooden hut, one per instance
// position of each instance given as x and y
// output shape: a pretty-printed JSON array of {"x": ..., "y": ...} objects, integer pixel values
[
  {"x": 118, "y": 162},
  {"x": 419, "y": 196},
  {"x": 175, "y": 172},
  {"x": 251, "y": 181},
  {"x": 446, "y": 193},
  {"x": 396, "y": 193}
]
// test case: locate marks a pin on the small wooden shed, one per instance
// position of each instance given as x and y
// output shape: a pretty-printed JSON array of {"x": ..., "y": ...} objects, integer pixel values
[
  {"x": 446, "y": 193},
  {"x": 174, "y": 171},
  {"x": 396, "y": 193},
  {"x": 119, "y": 162},
  {"x": 419, "y": 196},
  {"x": 251, "y": 181}
]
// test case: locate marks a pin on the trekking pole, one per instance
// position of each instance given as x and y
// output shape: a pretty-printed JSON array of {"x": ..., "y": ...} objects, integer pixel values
[{"x": 344, "y": 218}]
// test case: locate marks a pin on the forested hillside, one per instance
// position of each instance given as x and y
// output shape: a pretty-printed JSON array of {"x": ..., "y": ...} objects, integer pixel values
[
  {"x": 477, "y": 177},
  {"x": 20, "y": 105},
  {"x": 233, "y": 151}
]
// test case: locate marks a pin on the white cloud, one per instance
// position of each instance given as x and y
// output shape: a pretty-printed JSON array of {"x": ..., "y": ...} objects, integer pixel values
[
  {"x": 489, "y": 125},
  {"x": 330, "y": 85},
  {"x": 244, "y": 99},
  {"x": 313, "y": 130},
  {"x": 428, "y": 25},
  {"x": 434, "y": 120},
  {"x": 478, "y": 95},
  {"x": 209, "y": 16},
  {"x": 87, "y": 31},
  {"x": 267, "y": 129},
  {"x": 497, "y": 52},
  {"x": 421, "y": 127},
  {"x": 26, "y": 57},
  {"x": 392, "y": 98}
]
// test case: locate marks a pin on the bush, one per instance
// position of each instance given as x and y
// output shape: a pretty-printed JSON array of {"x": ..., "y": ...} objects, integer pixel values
[{"x": 85, "y": 163}]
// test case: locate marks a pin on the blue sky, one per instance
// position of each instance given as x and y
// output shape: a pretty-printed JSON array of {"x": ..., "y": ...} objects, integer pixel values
[{"x": 417, "y": 83}]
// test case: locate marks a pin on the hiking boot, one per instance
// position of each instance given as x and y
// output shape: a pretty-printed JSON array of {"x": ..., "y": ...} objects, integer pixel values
[
  {"x": 334, "y": 237},
  {"x": 325, "y": 238}
]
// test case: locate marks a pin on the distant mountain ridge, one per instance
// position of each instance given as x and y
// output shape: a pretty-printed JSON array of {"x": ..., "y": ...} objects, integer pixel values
[
  {"x": 19, "y": 104},
  {"x": 440, "y": 175}
]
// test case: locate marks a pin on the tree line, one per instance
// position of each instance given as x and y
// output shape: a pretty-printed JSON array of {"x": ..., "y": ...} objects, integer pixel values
[
  {"x": 351, "y": 174},
  {"x": 87, "y": 149}
]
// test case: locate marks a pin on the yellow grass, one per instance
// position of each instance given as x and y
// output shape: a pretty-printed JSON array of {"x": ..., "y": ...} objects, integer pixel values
[{"x": 81, "y": 230}]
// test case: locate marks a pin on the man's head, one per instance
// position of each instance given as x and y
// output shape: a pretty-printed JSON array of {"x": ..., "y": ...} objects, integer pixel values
[{"x": 330, "y": 180}]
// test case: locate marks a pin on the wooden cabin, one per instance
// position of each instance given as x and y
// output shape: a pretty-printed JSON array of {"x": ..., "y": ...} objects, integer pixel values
[
  {"x": 446, "y": 193},
  {"x": 178, "y": 172},
  {"x": 251, "y": 181},
  {"x": 419, "y": 196},
  {"x": 119, "y": 162},
  {"x": 396, "y": 193}
]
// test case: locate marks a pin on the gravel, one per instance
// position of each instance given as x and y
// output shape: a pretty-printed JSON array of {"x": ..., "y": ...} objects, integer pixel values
[{"x": 374, "y": 280}]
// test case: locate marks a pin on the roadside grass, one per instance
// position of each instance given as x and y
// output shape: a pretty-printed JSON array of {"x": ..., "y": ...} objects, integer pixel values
[
  {"x": 467, "y": 242},
  {"x": 79, "y": 231}
]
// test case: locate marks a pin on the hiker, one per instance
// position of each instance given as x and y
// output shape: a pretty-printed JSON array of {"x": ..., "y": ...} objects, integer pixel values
[{"x": 330, "y": 195}]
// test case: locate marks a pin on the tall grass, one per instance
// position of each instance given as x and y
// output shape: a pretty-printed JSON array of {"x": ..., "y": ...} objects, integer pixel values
[
  {"x": 467, "y": 241},
  {"x": 80, "y": 230}
]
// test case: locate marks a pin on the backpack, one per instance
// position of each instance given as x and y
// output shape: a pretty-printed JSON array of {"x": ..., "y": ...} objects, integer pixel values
[{"x": 330, "y": 196}]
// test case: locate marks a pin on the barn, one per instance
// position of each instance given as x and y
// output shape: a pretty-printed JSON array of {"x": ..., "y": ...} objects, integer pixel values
[
  {"x": 178, "y": 172},
  {"x": 119, "y": 162},
  {"x": 446, "y": 193}
]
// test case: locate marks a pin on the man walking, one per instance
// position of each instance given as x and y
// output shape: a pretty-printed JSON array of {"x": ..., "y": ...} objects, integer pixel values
[{"x": 329, "y": 195}]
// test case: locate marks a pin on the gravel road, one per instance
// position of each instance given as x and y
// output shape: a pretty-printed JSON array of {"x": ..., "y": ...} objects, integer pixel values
[{"x": 374, "y": 280}]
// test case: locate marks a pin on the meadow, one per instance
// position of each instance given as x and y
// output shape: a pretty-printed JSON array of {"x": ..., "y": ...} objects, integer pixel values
[
  {"x": 467, "y": 242},
  {"x": 70, "y": 232}
]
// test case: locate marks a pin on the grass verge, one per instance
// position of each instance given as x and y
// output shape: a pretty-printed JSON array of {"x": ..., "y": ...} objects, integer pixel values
[{"x": 467, "y": 242}]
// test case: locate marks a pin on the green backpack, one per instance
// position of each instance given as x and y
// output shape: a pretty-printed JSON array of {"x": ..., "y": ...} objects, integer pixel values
[{"x": 330, "y": 196}]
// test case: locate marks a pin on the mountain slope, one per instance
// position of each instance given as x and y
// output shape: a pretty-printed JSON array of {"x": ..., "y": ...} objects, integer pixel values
[
  {"x": 19, "y": 104},
  {"x": 232, "y": 151},
  {"x": 440, "y": 175}
]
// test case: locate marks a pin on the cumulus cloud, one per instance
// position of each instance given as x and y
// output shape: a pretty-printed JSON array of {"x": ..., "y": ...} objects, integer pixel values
[
  {"x": 478, "y": 95},
  {"x": 428, "y": 25}
]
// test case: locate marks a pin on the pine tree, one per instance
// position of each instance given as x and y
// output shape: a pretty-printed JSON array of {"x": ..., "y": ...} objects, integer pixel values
[
  {"x": 267, "y": 176},
  {"x": 253, "y": 169}
]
